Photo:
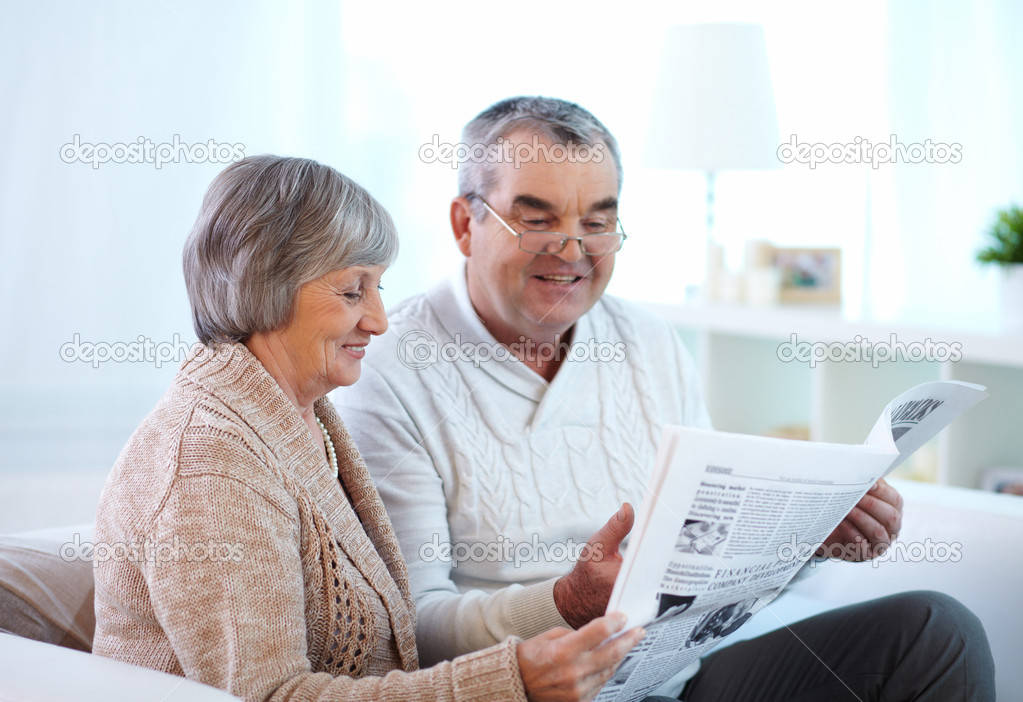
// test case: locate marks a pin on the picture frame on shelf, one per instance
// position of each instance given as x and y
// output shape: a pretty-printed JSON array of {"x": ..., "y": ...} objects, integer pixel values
[
  {"x": 1003, "y": 479},
  {"x": 809, "y": 275}
]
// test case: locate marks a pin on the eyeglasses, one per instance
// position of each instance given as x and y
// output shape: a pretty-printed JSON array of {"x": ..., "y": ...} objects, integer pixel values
[{"x": 596, "y": 244}]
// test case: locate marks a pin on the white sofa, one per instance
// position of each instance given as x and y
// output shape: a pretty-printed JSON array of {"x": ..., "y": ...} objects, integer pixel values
[
  {"x": 46, "y": 592},
  {"x": 979, "y": 528},
  {"x": 42, "y": 672}
]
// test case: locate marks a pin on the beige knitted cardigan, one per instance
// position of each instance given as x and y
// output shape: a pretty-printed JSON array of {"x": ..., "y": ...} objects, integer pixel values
[{"x": 226, "y": 552}]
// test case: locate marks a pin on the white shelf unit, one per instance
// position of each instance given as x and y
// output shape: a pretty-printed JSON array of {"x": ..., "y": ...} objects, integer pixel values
[{"x": 750, "y": 390}]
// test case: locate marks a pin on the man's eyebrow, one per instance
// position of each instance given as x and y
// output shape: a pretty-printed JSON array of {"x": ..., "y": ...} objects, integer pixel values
[
  {"x": 608, "y": 203},
  {"x": 538, "y": 203},
  {"x": 533, "y": 202}
]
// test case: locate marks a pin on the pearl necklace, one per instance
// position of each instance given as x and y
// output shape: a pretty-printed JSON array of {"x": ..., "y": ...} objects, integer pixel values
[{"x": 331, "y": 454}]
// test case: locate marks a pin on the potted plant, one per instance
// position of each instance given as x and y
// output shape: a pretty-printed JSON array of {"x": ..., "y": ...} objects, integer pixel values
[{"x": 1005, "y": 249}]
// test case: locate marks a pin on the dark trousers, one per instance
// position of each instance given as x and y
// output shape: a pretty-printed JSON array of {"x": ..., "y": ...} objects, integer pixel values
[{"x": 912, "y": 646}]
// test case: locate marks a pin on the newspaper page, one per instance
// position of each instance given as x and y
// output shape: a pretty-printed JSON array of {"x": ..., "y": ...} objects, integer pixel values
[
  {"x": 729, "y": 519},
  {"x": 912, "y": 418}
]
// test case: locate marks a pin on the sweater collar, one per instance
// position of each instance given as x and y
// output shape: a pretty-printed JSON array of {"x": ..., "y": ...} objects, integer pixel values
[{"x": 453, "y": 307}]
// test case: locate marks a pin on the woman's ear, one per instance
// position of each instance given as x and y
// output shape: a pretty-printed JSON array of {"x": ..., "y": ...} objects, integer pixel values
[{"x": 461, "y": 224}]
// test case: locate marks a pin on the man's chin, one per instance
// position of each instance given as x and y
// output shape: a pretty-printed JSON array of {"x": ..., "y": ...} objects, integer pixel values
[
  {"x": 557, "y": 321},
  {"x": 565, "y": 304}
]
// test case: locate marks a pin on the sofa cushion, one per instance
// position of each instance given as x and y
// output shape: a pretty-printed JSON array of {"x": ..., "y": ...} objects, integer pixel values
[
  {"x": 35, "y": 672},
  {"x": 46, "y": 588}
]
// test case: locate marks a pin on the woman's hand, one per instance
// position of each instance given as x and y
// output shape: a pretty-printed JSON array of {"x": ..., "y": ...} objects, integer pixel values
[{"x": 573, "y": 665}]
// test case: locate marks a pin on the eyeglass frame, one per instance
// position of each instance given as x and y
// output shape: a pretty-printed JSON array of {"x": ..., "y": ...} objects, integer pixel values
[{"x": 619, "y": 229}]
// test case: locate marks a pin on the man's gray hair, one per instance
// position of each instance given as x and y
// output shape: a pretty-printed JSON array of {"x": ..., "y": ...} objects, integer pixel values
[
  {"x": 560, "y": 121},
  {"x": 268, "y": 225}
]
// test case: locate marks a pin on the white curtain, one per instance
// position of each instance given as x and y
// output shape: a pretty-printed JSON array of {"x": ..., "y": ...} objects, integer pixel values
[
  {"x": 95, "y": 252},
  {"x": 954, "y": 75}
]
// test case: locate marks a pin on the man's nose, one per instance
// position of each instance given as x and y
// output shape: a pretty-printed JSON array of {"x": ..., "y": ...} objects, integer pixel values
[{"x": 573, "y": 251}]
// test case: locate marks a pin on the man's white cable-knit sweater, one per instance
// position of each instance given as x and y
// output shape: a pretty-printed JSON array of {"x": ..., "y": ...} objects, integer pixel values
[{"x": 516, "y": 474}]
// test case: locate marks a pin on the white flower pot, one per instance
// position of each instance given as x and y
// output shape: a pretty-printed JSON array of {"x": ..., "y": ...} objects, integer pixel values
[{"x": 1011, "y": 293}]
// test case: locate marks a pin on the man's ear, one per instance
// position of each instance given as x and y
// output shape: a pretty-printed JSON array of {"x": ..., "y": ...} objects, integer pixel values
[{"x": 461, "y": 224}]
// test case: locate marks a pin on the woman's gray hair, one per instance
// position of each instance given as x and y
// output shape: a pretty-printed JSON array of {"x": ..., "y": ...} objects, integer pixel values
[
  {"x": 560, "y": 121},
  {"x": 268, "y": 225}
]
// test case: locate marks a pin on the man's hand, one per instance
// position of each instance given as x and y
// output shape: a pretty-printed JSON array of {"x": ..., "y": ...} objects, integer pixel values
[
  {"x": 565, "y": 666},
  {"x": 582, "y": 595},
  {"x": 869, "y": 529}
]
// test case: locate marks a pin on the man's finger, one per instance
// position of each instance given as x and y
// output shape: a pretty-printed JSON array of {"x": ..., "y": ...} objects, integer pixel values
[
  {"x": 875, "y": 534},
  {"x": 609, "y": 537},
  {"x": 846, "y": 537},
  {"x": 884, "y": 504},
  {"x": 881, "y": 512}
]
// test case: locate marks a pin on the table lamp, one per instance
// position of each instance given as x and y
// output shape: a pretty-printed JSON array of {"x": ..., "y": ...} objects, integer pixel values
[{"x": 713, "y": 110}]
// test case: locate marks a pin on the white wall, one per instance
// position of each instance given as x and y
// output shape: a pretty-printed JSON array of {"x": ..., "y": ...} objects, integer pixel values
[{"x": 361, "y": 86}]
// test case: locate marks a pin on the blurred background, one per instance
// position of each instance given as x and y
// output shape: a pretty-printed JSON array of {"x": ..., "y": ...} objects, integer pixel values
[{"x": 93, "y": 254}]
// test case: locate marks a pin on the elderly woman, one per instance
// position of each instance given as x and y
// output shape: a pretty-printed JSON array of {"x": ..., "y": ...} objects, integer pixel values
[{"x": 257, "y": 554}]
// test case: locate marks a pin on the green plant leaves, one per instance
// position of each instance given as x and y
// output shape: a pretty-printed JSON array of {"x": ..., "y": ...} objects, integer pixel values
[{"x": 1007, "y": 236}]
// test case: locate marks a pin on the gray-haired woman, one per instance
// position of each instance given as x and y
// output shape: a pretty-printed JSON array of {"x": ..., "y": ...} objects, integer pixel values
[{"x": 257, "y": 554}]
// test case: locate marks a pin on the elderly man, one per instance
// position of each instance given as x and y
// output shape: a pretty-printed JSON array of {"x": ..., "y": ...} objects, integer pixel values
[{"x": 513, "y": 407}]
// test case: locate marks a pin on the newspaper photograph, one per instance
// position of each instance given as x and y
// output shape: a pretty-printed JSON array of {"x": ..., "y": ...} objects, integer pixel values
[{"x": 729, "y": 519}]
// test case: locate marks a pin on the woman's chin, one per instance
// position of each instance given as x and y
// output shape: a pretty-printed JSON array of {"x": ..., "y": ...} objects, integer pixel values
[{"x": 346, "y": 377}]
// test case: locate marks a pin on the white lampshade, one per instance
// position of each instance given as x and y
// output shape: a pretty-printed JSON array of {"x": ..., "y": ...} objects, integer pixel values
[{"x": 714, "y": 106}]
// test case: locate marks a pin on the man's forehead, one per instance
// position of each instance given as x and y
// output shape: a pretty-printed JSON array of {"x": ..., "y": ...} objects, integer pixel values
[
  {"x": 523, "y": 146},
  {"x": 552, "y": 184}
]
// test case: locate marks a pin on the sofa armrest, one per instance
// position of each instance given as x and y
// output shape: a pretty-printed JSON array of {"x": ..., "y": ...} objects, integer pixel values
[
  {"x": 46, "y": 587},
  {"x": 32, "y": 671}
]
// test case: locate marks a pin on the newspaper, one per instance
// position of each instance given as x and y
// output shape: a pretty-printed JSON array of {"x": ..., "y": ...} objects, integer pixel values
[{"x": 729, "y": 519}]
